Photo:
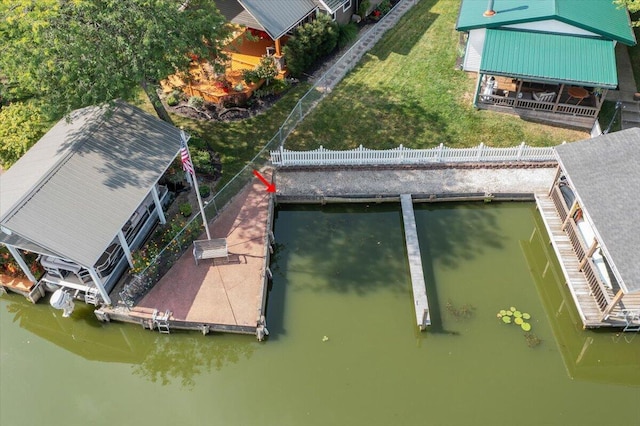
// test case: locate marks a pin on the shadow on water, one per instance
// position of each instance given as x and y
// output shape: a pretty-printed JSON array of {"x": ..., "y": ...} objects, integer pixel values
[
  {"x": 458, "y": 234},
  {"x": 349, "y": 248},
  {"x": 179, "y": 357}
]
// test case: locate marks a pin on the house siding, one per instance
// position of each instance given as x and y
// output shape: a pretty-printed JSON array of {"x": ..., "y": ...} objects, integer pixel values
[{"x": 473, "y": 53}]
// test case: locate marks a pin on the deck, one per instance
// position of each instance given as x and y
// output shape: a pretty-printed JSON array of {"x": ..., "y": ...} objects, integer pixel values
[
  {"x": 216, "y": 295},
  {"x": 243, "y": 54},
  {"x": 586, "y": 303},
  {"x": 421, "y": 304}
]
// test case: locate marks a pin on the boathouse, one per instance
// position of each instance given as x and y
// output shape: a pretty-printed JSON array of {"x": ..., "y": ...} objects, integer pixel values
[
  {"x": 84, "y": 196},
  {"x": 592, "y": 214}
]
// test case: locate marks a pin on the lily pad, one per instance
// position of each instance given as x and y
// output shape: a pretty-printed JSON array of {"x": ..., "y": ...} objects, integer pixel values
[
  {"x": 525, "y": 326},
  {"x": 503, "y": 312},
  {"x": 517, "y": 314},
  {"x": 506, "y": 319},
  {"x": 509, "y": 313},
  {"x": 518, "y": 321},
  {"x": 513, "y": 309},
  {"x": 526, "y": 315},
  {"x": 499, "y": 315}
]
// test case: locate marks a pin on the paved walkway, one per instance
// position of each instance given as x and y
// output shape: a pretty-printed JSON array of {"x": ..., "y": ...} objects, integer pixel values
[
  {"x": 217, "y": 292},
  {"x": 627, "y": 88}
]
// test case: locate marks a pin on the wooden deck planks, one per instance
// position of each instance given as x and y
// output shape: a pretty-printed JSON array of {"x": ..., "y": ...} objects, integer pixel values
[
  {"x": 586, "y": 305},
  {"x": 421, "y": 304}
]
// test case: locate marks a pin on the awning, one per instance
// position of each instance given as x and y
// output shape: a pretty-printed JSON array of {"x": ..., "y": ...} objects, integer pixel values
[{"x": 557, "y": 58}]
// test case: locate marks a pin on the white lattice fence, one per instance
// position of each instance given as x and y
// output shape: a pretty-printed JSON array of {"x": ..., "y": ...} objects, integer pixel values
[{"x": 403, "y": 155}]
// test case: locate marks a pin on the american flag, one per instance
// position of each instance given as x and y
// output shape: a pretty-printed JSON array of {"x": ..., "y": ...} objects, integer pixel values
[{"x": 184, "y": 155}]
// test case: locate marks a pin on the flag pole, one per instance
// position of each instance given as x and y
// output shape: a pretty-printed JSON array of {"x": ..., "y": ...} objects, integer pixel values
[{"x": 192, "y": 173}]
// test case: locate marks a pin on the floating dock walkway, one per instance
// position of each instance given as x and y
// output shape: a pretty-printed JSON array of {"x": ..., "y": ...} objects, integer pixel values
[{"x": 421, "y": 304}]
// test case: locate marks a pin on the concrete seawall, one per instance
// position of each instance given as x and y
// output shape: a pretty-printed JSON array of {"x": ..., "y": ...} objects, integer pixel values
[{"x": 505, "y": 181}]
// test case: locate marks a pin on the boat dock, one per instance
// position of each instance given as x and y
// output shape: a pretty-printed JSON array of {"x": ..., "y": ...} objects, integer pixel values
[
  {"x": 217, "y": 295},
  {"x": 421, "y": 304}
]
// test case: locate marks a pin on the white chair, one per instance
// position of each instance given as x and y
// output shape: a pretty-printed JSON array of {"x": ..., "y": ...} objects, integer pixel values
[{"x": 544, "y": 96}]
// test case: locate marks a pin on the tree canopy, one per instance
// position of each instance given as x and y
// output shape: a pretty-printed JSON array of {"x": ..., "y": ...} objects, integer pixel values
[
  {"x": 634, "y": 8},
  {"x": 74, "y": 53}
]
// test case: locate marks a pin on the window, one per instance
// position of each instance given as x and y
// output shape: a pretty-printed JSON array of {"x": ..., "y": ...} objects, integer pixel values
[
  {"x": 333, "y": 16},
  {"x": 346, "y": 6}
]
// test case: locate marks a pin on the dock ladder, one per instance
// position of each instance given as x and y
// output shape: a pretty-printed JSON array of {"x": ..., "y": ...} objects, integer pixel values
[
  {"x": 92, "y": 297},
  {"x": 632, "y": 320},
  {"x": 161, "y": 321}
]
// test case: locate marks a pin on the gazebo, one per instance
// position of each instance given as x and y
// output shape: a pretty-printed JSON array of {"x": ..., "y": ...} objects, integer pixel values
[{"x": 85, "y": 195}]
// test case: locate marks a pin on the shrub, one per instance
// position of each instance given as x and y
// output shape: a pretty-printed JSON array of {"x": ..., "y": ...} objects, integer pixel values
[
  {"x": 384, "y": 7},
  {"x": 267, "y": 69},
  {"x": 196, "y": 102},
  {"x": 172, "y": 100},
  {"x": 186, "y": 209},
  {"x": 205, "y": 191},
  {"x": 310, "y": 41},
  {"x": 347, "y": 33},
  {"x": 201, "y": 160},
  {"x": 250, "y": 76},
  {"x": 363, "y": 8}
]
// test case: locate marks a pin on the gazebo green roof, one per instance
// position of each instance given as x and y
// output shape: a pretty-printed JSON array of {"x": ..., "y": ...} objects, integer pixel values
[
  {"x": 550, "y": 57},
  {"x": 601, "y": 17}
]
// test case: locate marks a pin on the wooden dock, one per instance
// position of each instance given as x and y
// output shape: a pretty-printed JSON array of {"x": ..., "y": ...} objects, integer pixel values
[
  {"x": 215, "y": 295},
  {"x": 585, "y": 302},
  {"x": 421, "y": 304}
]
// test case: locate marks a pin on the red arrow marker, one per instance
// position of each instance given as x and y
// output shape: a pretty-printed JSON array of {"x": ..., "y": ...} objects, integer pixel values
[{"x": 271, "y": 187}]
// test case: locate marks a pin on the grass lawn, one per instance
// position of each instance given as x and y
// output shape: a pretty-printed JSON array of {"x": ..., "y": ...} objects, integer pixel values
[
  {"x": 406, "y": 91},
  {"x": 239, "y": 141}
]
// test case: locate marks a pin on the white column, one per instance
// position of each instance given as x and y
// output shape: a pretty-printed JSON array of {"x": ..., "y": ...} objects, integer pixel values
[
  {"x": 156, "y": 200},
  {"x": 98, "y": 282},
  {"x": 125, "y": 247},
  {"x": 23, "y": 265}
]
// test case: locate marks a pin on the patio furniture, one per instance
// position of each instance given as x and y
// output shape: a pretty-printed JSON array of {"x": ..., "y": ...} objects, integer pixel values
[
  {"x": 210, "y": 249},
  {"x": 579, "y": 93},
  {"x": 544, "y": 96}
]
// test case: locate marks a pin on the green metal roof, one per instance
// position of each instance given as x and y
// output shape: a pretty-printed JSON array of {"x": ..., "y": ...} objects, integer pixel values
[
  {"x": 278, "y": 16},
  {"x": 601, "y": 17},
  {"x": 550, "y": 57}
]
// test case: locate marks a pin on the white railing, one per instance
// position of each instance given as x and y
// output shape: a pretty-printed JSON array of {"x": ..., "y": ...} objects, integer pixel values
[{"x": 402, "y": 155}]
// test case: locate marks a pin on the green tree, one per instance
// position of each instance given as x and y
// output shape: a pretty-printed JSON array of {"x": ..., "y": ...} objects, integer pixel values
[
  {"x": 21, "y": 126},
  {"x": 74, "y": 53},
  {"x": 310, "y": 42},
  {"x": 634, "y": 8}
]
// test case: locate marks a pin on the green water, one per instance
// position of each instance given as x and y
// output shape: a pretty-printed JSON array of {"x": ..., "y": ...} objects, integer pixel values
[{"x": 341, "y": 273}]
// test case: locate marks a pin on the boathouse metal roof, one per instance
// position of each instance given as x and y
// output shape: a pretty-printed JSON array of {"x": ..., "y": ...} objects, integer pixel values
[
  {"x": 605, "y": 176},
  {"x": 277, "y": 17},
  {"x": 601, "y": 17},
  {"x": 552, "y": 57},
  {"x": 76, "y": 188}
]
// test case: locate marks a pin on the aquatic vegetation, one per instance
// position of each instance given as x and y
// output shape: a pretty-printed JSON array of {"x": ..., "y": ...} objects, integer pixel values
[
  {"x": 514, "y": 316},
  {"x": 463, "y": 312},
  {"x": 532, "y": 340}
]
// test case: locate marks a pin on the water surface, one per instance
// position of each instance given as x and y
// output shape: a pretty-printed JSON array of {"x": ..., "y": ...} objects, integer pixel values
[{"x": 344, "y": 348}]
